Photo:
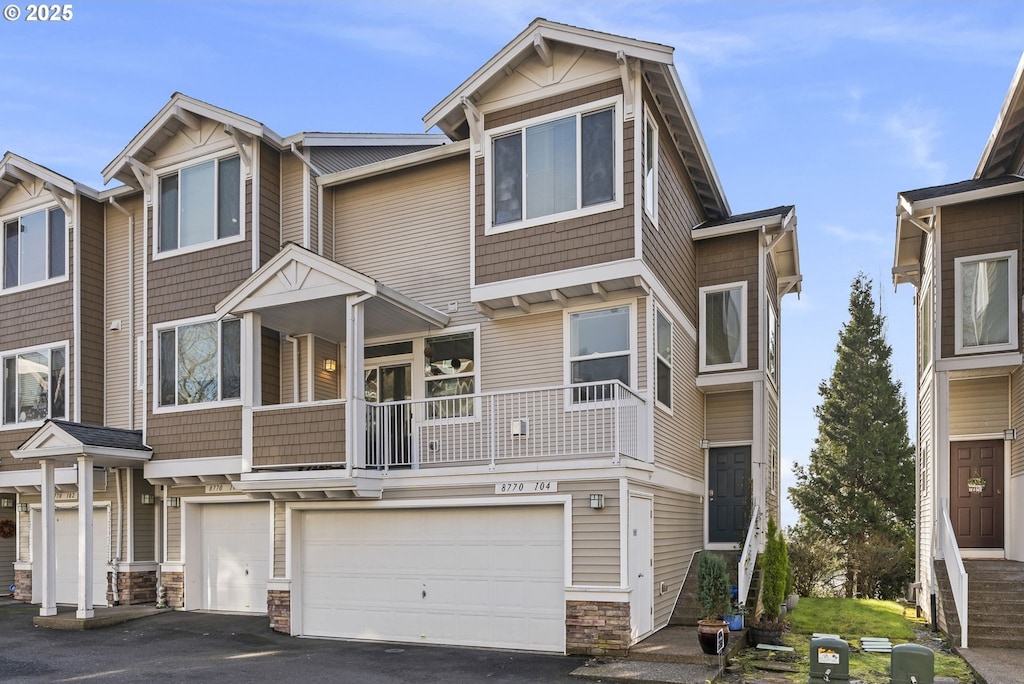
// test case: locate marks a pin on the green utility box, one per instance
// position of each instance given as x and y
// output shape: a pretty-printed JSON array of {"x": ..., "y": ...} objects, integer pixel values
[
  {"x": 912, "y": 664},
  {"x": 830, "y": 660}
]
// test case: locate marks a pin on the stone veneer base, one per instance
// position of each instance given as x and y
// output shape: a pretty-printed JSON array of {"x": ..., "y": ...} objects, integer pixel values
[
  {"x": 279, "y": 608},
  {"x": 597, "y": 628}
]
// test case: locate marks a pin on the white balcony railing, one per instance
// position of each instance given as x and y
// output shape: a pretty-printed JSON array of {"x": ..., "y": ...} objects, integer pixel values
[
  {"x": 748, "y": 559},
  {"x": 946, "y": 543},
  {"x": 593, "y": 419}
]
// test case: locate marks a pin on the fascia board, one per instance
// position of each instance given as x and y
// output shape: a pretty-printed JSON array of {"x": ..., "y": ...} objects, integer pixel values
[
  {"x": 44, "y": 174},
  {"x": 738, "y": 227},
  {"x": 1014, "y": 100},
  {"x": 365, "y": 139},
  {"x": 970, "y": 196}
]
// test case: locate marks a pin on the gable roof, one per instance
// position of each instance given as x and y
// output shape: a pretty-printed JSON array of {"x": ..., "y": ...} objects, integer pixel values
[
  {"x": 656, "y": 66},
  {"x": 1004, "y": 152},
  {"x": 15, "y": 169},
  {"x": 178, "y": 113},
  {"x": 65, "y": 441}
]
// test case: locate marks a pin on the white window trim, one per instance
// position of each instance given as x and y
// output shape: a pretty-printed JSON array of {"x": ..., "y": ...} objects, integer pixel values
[
  {"x": 224, "y": 153},
  {"x": 925, "y": 326},
  {"x": 958, "y": 263},
  {"x": 742, "y": 363},
  {"x": 612, "y": 102},
  {"x": 67, "y": 382},
  {"x": 773, "y": 327},
  {"x": 3, "y": 247},
  {"x": 650, "y": 199},
  {"x": 658, "y": 311},
  {"x": 567, "y": 357},
  {"x": 206, "y": 405},
  {"x": 420, "y": 364}
]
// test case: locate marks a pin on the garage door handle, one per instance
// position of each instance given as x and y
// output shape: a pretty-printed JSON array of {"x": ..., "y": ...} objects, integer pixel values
[{"x": 424, "y": 593}]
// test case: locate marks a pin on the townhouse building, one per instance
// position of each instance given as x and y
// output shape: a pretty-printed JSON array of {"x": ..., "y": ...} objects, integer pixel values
[{"x": 489, "y": 387}]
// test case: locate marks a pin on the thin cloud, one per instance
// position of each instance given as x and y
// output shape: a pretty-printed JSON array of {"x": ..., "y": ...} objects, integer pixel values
[
  {"x": 846, "y": 235},
  {"x": 915, "y": 130}
]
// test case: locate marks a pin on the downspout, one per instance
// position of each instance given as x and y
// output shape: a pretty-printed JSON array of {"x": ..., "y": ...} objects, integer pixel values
[{"x": 120, "y": 529}]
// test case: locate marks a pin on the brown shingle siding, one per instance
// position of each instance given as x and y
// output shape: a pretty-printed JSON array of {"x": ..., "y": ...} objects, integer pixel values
[
  {"x": 92, "y": 311},
  {"x": 195, "y": 434},
  {"x": 270, "y": 202},
  {"x": 733, "y": 259}
]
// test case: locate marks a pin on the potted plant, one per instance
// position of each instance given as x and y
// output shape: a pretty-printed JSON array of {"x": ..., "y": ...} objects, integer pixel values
[
  {"x": 774, "y": 569},
  {"x": 712, "y": 598}
]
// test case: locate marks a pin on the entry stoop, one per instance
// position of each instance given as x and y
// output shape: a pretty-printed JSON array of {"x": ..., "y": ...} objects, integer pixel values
[
  {"x": 102, "y": 617},
  {"x": 685, "y": 611}
]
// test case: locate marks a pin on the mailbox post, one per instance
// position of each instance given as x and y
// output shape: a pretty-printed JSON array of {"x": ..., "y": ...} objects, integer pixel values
[
  {"x": 912, "y": 664},
  {"x": 830, "y": 660}
]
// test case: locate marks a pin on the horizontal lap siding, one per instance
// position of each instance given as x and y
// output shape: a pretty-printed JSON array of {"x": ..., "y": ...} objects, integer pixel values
[
  {"x": 678, "y": 533},
  {"x": 730, "y": 416},
  {"x": 677, "y": 435},
  {"x": 325, "y": 383},
  {"x": 92, "y": 311},
  {"x": 773, "y": 455},
  {"x": 970, "y": 229},
  {"x": 979, "y": 406},
  {"x": 144, "y": 526},
  {"x": 595, "y": 533},
  {"x": 926, "y": 450},
  {"x": 595, "y": 239},
  {"x": 410, "y": 230},
  {"x": 291, "y": 199},
  {"x": 119, "y": 359},
  {"x": 525, "y": 351},
  {"x": 734, "y": 259},
  {"x": 280, "y": 539},
  {"x": 1017, "y": 409},
  {"x": 307, "y": 435},
  {"x": 196, "y": 434}
]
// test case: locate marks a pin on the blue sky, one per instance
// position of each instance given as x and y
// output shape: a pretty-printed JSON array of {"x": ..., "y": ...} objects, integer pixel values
[{"x": 833, "y": 107}]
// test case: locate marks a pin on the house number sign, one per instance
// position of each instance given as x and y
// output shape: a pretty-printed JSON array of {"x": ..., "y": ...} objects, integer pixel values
[{"x": 545, "y": 486}]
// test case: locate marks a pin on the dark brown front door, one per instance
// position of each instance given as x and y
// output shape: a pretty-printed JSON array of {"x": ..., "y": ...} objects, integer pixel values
[{"x": 977, "y": 516}]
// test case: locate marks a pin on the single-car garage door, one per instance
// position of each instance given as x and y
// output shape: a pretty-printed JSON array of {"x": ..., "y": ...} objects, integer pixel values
[
  {"x": 65, "y": 534},
  {"x": 482, "y": 576},
  {"x": 235, "y": 556}
]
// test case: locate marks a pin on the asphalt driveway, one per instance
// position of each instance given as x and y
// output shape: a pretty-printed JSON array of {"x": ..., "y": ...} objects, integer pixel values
[{"x": 206, "y": 647}]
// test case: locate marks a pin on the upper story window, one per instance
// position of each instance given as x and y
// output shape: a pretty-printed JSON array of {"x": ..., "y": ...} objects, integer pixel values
[
  {"x": 199, "y": 363},
  {"x": 650, "y": 167},
  {"x": 34, "y": 385},
  {"x": 663, "y": 353},
  {"x": 600, "y": 348},
  {"x": 450, "y": 374},
  {"x": 35, "y": 248},
  {"x": 556, "y": 167},
  {"x": 723, "y": 329},
  {"x": 773, "y": 342},
  {"x": 985, "y": 291},
  {"x": 925, "y": 319},
  {"x": 200, "y": 204}
]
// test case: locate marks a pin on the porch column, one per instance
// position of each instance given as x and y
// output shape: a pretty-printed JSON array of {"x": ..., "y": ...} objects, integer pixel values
[
  {"x": 252, "y": 380},
  {"x": 355, "y": 390},
  {"x": 46, "y": 564},
  {"x": 85, "y": 547}
]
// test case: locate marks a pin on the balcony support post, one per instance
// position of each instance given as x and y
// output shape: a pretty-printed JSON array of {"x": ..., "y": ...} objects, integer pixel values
[
  {"x": 252, "y": 388},
  {"x": 355, "y": 391}
]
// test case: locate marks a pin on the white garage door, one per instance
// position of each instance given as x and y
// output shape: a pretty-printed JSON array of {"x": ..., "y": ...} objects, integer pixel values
[
  {"x": 66, "y": 542},
  {"x": 235, "y": 556},
  {"x": 462, "y": 576}
]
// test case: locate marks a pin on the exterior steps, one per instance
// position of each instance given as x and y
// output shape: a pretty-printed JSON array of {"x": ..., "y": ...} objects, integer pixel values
[
  {"x": 686, "y": 611},
  {"x": 995, "y": 604}
]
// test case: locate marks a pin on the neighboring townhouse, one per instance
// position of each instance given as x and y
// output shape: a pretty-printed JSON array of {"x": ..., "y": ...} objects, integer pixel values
[
  {"x": 959, "y": 246},
  {"x": 494, "y": 387}
]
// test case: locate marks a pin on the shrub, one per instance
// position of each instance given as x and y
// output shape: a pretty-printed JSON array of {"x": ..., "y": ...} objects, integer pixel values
[
  {"x": 773, "y": 573},
  {"x": 712, "y": 586}
]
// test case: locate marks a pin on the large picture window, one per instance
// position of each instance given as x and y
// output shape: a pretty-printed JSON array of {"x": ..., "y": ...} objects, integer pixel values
[
  {"x": 599, "y": 349},
  {"x": 34, "y": 385},
  {"x": 723, "y": 330},
  {"x": 35, "y": 248},
  {"x": 450, "y": 373},
  {"x": 199, "y": 363},
  {"x": 554, "y": 168},
  {"x": 985, "y": 294},
  {"x": 200, "y": 204}
]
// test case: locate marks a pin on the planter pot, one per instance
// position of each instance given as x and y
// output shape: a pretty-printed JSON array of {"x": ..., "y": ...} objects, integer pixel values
[
  {"x": 707, "y": 635},
  {"x": 735, "y": 622},
  {"x": 768, "y": 633},
  {"x": 792, "y": 600}
]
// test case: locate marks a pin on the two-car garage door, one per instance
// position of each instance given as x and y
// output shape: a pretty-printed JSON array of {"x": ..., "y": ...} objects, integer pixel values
[{"x": 482, "y": 576}]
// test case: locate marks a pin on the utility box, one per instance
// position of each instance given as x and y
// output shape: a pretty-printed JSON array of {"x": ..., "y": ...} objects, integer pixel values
[
  {"x": 912, "y": 664},
  {"x": 830, "y": 660}
]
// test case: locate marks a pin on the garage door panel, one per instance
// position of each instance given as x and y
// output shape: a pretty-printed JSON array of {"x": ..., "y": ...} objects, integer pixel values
[
  {"x": 235, "y": 562},
  {"x": 364, "y": 575}
]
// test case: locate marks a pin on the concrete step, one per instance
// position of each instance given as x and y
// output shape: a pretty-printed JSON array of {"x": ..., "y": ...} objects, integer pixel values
[{"x": 986, "y": 641}]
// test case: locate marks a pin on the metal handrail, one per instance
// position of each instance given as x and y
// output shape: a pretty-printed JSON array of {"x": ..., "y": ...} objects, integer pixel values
[
  {"x": 954, "y": 568},
  {"x": 745, "y": 569}
]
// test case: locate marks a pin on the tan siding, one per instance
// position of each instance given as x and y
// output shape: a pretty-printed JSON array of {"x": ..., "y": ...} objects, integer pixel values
[
  {"x": 325, "y": 383},
  {"x": 1017, "y": 418},
  {"x": 595, "y": 533},
  {"x": 677, "y": 435},
  {"x": 502, "y": 345},
  {"x": 120, "y": 347},
  {"x": 585, "y": 241},
  {"x": 292, "y": 172},
  {"x": 271, "y": 374},
  {"x": 289, "y": 350},
  {"x": 410, "y": 230},
  {"x": 730, "y": 416},
  {"x": 975, "y": 228},
  {"x": 327, "y": 213},
  {"x": 280, "y": 539},
  {"x": 8, "y": 553},
  {"x": 91, "y": 320},
  {"x": 641, "y": 381},
  {"x": 979, "y": 406},
  {"x": 926, "y": 448},
  {"x": 773, "y": 455},
  {"x": 678, "y": 533},
  {"x": 145, "y": 518},
  {"x": 314, "y": 212},
  {"x": 733, "y": 259},
  {"x": 196, "y": 434},
  {"x": 270, "y": 203}
]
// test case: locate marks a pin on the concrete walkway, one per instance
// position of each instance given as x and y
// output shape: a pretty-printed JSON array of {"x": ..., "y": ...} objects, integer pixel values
[
  {"x": 102, "y": 617},
  {"x": 995, "y": 665}
]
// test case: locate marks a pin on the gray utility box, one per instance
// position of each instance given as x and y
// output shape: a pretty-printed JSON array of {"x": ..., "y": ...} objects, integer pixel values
[
  {"x": 830, "y": 660},
  {"x": 912, "y": 664}
]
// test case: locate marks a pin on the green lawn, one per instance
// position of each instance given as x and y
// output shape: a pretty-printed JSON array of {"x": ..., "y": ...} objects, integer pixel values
[{"x": 852, "y": 619}]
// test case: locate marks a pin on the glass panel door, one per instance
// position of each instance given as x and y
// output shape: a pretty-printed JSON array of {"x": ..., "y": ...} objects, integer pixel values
[{"x": 388, "y": 424}]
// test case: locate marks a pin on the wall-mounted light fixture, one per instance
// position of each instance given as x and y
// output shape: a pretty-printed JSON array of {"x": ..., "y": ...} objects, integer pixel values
[
  {"x": 6, "y": 502},
  {"x": 23, "y": 508},
  {"x": 705, "y": 444},
  {"x": 597, "y": 501},
  {"x": 1010, "y": 434},
  {"x": 148, "y": 499},
  {"x": 174, "y": 501},
  {"x": 330, "y": 365}
]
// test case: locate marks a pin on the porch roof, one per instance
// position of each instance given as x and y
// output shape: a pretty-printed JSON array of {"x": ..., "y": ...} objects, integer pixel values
[
  {"x": 64, "y": 442},
  {"x": 299, "y": 292}
]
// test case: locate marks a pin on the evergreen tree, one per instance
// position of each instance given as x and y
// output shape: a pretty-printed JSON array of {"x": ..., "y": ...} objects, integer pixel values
[{"x": 858, "y": 487}]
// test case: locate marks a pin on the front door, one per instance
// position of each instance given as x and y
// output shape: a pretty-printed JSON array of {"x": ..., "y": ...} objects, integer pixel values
[
  {"x": 388, "y": 424},
  {"x": 728, "y": 493},
  {"x": 976, "y": 493}
]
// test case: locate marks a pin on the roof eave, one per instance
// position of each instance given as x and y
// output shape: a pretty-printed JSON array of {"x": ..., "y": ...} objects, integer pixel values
[{"x": 1004, "y": 136}]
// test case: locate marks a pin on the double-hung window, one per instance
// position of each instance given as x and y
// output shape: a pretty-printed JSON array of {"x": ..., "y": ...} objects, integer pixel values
[
  {"x": 600, "y": 349},
  {"x": 925, "y": 321},
  {"x": 985, "y": 291},
  {"x": 723, "y": 330},
  {"x": 555, "y": 167},
  {"x": 199, "y": 363},
  {"x": 35, "y": 387},
  {"x": 35, "y": 248},
  {"x": 651, "y": 167},
  {"x": 663, "y": 356},
  {"x": 200, "y": 204},
  {"x": 450, "y": 374}
]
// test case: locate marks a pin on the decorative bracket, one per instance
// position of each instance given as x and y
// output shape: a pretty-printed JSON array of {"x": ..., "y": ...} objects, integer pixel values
[
  {"x": 627, "y": 83},
  {"x": 243, "y": 143},
  {"x": 476, "y": 123}
]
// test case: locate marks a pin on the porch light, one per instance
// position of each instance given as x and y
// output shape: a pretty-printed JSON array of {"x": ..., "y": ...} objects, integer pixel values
[
  {"x": 597, "y": 501},
  {"x": 1010, "y": 434},
  {"x": 6, "y": 502},
  {"x": 23, "y": 508},
  {"x": 174, "y": 501},
  {"x": 330, "y": 365},
  {"x": 705, "y": 444},
  {"x": 148, "y": 499}
]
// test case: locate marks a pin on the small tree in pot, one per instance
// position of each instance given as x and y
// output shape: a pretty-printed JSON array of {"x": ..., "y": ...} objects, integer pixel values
[
  {"x": 713, "y": 598},
  {"x": 774, "y": 570}
]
